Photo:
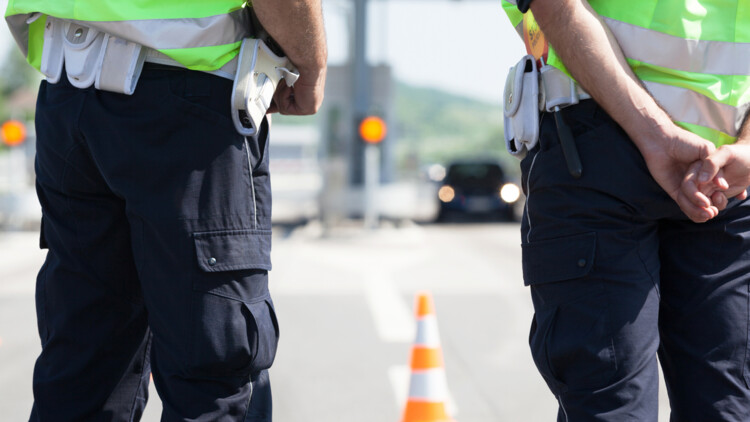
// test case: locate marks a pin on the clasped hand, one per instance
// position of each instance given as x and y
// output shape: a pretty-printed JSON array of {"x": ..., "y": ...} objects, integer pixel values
[
  {"x": 709, "y": 183},
  {"x": 694, "y": 173}
]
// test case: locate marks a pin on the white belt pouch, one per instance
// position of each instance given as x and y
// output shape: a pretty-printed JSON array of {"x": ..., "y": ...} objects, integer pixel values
[
  {"x": 521, "y": 107},
  {"x": 90, "y": 57},
  {"x": 114, "y": 64}
]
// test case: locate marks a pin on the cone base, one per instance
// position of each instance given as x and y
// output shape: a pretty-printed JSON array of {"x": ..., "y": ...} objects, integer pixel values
[{"x": 419, "y": 411}]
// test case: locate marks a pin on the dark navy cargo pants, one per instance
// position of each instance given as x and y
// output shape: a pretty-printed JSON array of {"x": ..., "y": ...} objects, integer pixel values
[
  {"x": 156, "y": 214},
  {"x": 619, "y": 275}
]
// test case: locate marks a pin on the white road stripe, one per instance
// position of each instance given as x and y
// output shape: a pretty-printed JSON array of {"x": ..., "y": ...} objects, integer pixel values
[
  {"x": 399, "y": 376},
  {"x": 393, "y": 319}
]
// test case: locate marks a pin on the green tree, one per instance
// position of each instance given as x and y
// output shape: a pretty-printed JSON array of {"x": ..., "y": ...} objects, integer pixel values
[
  {"x": 435, "y": 126},
  {"x": 17, "y": 75}
]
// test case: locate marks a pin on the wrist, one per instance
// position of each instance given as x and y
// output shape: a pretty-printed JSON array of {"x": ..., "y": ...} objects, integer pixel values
[
  {"x": 311, "y": 75},
  {"x": 651, "y": 129}
]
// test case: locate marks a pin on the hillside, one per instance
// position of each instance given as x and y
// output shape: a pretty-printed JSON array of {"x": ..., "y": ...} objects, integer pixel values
[{"x": 435, "y": 126}]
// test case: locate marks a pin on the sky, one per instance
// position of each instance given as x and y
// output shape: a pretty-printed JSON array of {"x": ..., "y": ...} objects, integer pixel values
[{"x": 460, "y": 46}]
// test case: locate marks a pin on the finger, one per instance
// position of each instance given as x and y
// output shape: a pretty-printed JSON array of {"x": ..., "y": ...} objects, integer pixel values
[
  {"x": 691, "y": 190},
  {"x": 720, "y": 181},
  {"x": 283, "y": 99},
  {"x": 713, "y": 163},
  {"x": 273, "y": 108},
  {"x": 742, "y": 196},
  {"x": 719, "y": 200},
  {"x": 694, "y": 213}
]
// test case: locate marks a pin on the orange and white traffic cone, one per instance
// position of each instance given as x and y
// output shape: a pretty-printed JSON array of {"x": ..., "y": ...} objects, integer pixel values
[{"x": 428, "y": 389}]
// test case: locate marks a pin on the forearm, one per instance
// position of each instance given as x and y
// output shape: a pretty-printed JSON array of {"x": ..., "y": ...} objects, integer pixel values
[
  {"x": 297, "y": 26},
  {"x": 594, "y": 58},
  {"x": 744, "y": 134}
]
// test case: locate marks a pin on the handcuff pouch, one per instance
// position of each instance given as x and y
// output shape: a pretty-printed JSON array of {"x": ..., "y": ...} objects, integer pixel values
[{"x": 521, "y": 107}]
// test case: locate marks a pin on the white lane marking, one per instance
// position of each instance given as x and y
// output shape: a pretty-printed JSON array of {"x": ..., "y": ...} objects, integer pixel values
[
  {"x": 399, "y": 376},
  {"x": 394, "y": 321}
]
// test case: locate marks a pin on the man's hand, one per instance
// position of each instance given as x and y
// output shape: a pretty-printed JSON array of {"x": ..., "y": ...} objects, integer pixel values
[
  {"x": 297, "y": 27},
  {"x": 672, "y": 163},
  {"x": 697, "y": 193},
  {"x": 304, "y": 98},
  {"x": 723, "y": 174}
]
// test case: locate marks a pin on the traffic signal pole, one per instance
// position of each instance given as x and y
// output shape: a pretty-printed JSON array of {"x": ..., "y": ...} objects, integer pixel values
[
  {"x": 360, "y": 77},
  {"x": 372, "y": 180},
  {"x": 361, "y": 101}
]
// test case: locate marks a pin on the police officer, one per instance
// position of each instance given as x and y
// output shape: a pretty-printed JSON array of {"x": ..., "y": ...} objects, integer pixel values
[
  {"x": 644, "y": 251},
  {"x": 156, "y": 211}
]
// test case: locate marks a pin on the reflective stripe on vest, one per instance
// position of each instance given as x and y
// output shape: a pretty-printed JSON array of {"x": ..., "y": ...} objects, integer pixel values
[
  {"x": 698, "y": 109},
  {"x": 700, "y": 56},
  {"x": 206, "y": 41}
]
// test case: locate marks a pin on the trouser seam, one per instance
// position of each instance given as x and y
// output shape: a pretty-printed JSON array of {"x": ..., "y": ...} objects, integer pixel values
[
  {"x": 744, "y": 363},
  {"x": 249, "y": 397},
  {"x": 252, "y": 184},
  {"x": 645, "y": 267},
  {"x": 146, "y": 354},
  {"x": 61, "y": 188}
]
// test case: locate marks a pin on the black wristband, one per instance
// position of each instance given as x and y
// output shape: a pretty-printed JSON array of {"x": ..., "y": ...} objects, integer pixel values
[{"x": 523, "y": 5}]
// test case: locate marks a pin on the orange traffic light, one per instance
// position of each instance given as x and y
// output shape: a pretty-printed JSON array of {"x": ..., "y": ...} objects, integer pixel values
[
  {"x": 13, "y": 133},
  {"x": 372, "y": 129}
]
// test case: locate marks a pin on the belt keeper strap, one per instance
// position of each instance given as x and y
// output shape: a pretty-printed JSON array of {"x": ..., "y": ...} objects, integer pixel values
[{"x": 559, "y": 90}]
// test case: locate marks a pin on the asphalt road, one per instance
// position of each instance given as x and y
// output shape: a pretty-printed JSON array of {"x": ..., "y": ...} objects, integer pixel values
[{"x": 345, "y": 305}]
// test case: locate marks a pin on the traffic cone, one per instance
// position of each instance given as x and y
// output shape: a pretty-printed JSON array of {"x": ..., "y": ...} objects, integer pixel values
[{"x": 428, "y": 389}]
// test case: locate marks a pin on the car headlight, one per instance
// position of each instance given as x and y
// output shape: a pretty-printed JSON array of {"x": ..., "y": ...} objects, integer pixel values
[
  {"x": 436, "y": 173},
  {"x": 510, "y": 193},
  {"x": 446, "y": 193}
]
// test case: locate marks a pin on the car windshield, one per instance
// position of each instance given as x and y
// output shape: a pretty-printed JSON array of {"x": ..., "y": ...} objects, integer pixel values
[{"x": 475, "y": 174}]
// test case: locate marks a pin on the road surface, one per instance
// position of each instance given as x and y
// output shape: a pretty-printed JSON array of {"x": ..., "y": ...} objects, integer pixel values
[{"x": 345, "y": 305}]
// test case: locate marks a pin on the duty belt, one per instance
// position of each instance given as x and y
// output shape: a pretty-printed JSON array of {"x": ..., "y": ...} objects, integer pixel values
[
  {"x": 114, "y": 64},
  {"x": 557, "y": 90},
  {"x": 529, "y": 90}
]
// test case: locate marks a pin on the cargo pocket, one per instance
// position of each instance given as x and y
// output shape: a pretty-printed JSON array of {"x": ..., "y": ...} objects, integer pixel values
[
  {"x": 570, "y": 339},
  {"x": 266, "y": 341},
  {"x": 235, "y": 330}
]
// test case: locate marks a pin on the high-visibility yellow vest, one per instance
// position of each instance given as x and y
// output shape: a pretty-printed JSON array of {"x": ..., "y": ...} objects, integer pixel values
[
  {"x": 199, "y": 34},
  {"x": 692, "y": 55}
]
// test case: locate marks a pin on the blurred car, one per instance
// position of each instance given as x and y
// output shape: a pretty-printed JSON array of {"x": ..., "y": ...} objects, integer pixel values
[{"x": 477, "y": 188}]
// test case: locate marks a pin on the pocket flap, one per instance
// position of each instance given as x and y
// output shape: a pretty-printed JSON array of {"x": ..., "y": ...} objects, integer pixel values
[
  {"x": 233, "y": 250},
  {"x": 559, "y": 259}
]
